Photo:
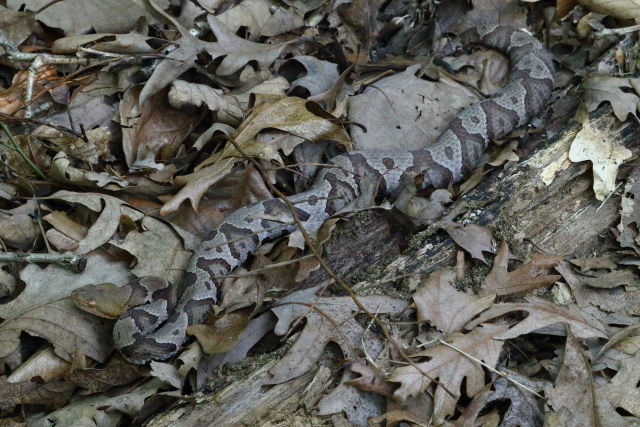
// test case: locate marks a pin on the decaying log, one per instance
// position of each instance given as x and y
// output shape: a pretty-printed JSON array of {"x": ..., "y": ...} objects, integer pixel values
[{"x": 562, "y": 218}]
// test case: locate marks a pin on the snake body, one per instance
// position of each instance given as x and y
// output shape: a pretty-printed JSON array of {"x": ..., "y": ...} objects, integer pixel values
[{"x": 157, "y": 329}]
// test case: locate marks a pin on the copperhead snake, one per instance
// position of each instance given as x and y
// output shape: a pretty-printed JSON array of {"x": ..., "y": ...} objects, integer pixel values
[{"x": 157, "y": 329}]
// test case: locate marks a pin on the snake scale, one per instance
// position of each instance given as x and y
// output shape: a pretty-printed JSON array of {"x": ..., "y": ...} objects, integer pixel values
[{"x": 156, "y": 330}]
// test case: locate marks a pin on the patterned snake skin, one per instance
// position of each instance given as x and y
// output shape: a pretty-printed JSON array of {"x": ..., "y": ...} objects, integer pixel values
[{"x": 157, "y": 330}]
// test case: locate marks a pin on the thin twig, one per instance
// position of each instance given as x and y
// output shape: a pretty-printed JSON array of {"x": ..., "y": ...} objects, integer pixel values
[
  {"x": 264, "y": 268},
  {"x": 76, "y": 261},
  {"x": 616, "y": 31}
]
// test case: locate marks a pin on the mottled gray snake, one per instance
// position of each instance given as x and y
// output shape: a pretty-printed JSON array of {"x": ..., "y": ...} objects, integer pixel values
[{"x": 157, "y": 329}]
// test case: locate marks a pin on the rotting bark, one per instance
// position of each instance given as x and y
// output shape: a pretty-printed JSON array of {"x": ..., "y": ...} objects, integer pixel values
[{"x": 563, "y": 218}]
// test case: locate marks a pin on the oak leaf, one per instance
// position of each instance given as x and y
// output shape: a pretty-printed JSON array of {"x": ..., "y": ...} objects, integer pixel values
[
  {"x": 446, "y": 308},
  {"x": 542, "y": 314},
  {"x": 573, "y": 387},
  {"x": 329, "y": 319},
  {"x": 451, "y": 367},
  {"x": 530, "y": 275}
]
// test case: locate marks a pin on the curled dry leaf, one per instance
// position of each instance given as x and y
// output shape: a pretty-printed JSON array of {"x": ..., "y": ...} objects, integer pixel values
[
  {"x": 44, "y": 365},
  {"x": 131, "y": 43},
  {"x": 446, "y": 308},
  {"x": 320, "y": 75},
  {"x": 531, "y": 275},
  {"x": 627, "y": 302},
  {"x": 17, "y": 227},
  {"x": 111, "y": 211},
  {"x": 152, "y": 132}
]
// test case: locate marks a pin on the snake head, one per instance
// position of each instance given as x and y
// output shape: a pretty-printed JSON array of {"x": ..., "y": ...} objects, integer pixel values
[{"x": 103, "y": 300}]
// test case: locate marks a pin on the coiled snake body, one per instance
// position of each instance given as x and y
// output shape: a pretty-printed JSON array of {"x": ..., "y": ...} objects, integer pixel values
[{"x": 157, "y": 330}]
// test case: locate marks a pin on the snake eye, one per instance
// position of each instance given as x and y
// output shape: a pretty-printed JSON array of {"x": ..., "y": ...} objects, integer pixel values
[{"x": 91, "y": 303}]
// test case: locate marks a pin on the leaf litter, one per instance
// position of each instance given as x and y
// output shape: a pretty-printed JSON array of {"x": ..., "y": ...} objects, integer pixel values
[{"x": 131, "y": 115}]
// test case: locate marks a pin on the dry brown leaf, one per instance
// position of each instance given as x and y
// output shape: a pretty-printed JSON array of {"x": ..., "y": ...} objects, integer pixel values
[
  {"x": 153, "y": 131},
  {"x": 361, "y": 17},
  {"x": 116, "y": 372},
  {"x": 530, "y": 275},
  {"x": 111, "y": 209},
  {"x": 524, "y": 406},
  {"x": 53, "y": 394},
  {"x": 157, "y": 248},
  {"x": 290, "y": 115},
  {"x": 237, "y": 51},
  {"x": 573, "y": 387},
  {"x": 403, "y": 111},
  {"x": 541, "y": 315},
  {"x": 356, "y": 404},
  {"x": 132, "y": 43},
  {"x": 16, "y": 27},
  {"x": 627, "y": 302},
  {"x": 41, "y": 309},
  {"x": 17, "y": 227},
  {"x": 370, "y": 379},
  {"x": 81, "y": 16},
  {"x": 261, "y": 18},
  {"x": 108, "y": 409},
  {"x": 446, "y": 308},
  {"x": 320, "y": 76},
  {"x": 473, "y": 238},
  {"x": 623, "y": 9},
  {"x": 222, "y": 334},
  {"x": 450, "y": 368},
  {"x": 324, "y": 315},
  {"x": 417, "y": 410},
  {"x": 614, "y": 279},
  {"x": 622, "y": 392},
  {"x": 594, "y": 263},
  {"x": 12, "y": 98},
  {"x": 620, "y": 92},
  {"x": 44, "y": 365},
  {"x": 509, "y": 12}
]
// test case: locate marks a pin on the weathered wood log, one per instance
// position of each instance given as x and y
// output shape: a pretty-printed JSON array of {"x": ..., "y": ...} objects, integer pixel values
[{"x": 561, "y": 218}]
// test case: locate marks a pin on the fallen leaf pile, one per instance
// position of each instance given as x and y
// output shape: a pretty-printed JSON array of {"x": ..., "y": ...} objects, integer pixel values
[{"x": 129, "y": 130}]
